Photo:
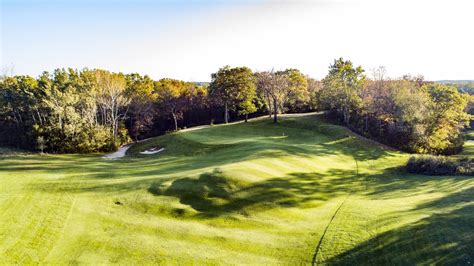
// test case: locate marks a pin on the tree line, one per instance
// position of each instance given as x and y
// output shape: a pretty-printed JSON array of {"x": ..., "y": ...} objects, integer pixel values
[{"x": 96, "y": 110}]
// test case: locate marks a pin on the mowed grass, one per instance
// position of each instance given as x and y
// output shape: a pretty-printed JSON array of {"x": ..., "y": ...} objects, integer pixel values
[
  {"x": 468, "y": 149},
  {"x": 298, "y": 192},
  {"x": 470, "y": 134}
]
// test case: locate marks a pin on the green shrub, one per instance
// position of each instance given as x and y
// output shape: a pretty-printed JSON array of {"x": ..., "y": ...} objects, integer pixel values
[{"x": 440, "y": 165}]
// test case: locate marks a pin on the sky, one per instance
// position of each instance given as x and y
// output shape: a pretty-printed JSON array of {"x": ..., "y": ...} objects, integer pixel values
[{"x": 189, "y": 40}]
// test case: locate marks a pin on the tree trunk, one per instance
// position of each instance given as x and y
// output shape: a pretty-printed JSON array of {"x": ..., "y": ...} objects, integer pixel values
[
  {"x": 226, "y": 113},
  {"x": 17, "y": 122},
  {"x": 114, "y": 130},
  {"x": 274, "y": 111},
  {"x": 175, "y": 119},
  {"x": 33, "y": 117},
  {"x": 269, "y": 107},
  {"x": 246, "y": 117},
  {"x": 135, "y": 127},
  {"x": 39, "y": 117},
  {"x": 346, "y": 115}
]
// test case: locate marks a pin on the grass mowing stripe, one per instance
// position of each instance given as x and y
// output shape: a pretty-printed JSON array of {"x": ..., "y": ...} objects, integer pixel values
[
  {"x": 65, "y": 223},
  {"x": 313, "y": 261}
]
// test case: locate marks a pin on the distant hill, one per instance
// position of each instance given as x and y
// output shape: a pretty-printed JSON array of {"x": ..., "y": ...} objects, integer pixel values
[
  {"x": 201, "y": 83},
  {"x": 457, "y": 82},
  {"x": 466, "y": 86}
]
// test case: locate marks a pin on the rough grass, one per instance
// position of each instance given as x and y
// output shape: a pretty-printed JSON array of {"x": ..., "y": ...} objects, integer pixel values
[{"x": 298, "y": 192}]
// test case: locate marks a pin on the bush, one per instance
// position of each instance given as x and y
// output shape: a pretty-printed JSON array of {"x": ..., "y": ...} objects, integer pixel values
[{"x": 440, "y": 165}]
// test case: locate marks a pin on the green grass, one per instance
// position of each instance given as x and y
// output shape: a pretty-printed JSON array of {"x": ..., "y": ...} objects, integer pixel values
[
  {"x": 470, "y": 134},
  {"x": 298, "y": 192},
  {"x": 468, "y": 149}
]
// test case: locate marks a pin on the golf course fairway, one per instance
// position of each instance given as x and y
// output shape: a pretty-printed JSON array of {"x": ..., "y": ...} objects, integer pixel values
[{"x": 297, "y": 192}]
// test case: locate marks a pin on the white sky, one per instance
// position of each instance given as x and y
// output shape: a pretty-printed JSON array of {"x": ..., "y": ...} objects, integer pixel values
[{"x": 189, "y": 41}]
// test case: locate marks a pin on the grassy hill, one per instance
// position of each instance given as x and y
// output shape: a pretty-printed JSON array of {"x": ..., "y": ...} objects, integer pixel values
[{"x": 298, "y": 192}]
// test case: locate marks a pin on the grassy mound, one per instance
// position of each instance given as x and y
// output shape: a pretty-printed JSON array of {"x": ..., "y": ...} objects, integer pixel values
[{"x": 297, "y": 192}]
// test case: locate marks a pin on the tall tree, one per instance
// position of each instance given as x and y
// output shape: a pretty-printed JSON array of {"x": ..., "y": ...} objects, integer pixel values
[
  {"x": 342, "y": 86},
  {"x": 19, "y": 101},
  {"x": 175, "y": 97},
  {"x": 112, "y": 98},
  {"x": 233, "y": 88},
  {"x": 297, "y": 95},
  {"x": 141, "y": 91},
  {"x": 314, "y": 88},
  {"x": 276, "y": 86},
  {"x": 247, "y": 104},
  {"x": 447, "y": 118}
]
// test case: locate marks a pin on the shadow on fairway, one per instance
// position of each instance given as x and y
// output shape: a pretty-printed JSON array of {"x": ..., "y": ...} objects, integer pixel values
[
  {"x": 214, "y": 194},
  {"x": 446, "y": 237}
]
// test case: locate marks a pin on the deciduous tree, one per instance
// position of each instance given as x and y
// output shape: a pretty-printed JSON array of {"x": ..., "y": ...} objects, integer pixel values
[
  {"x": 112, "y": 98},
  {"x": 276, "y": 87},
  {"x": 233, "y": 88},
  {"x": 341, "y": 88}
]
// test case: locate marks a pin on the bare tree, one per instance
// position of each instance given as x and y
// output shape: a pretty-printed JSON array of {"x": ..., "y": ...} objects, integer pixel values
[
  {"x": 6, "y": 71},
  {"x": 275, "y": 86},
  {"x": 112, "y": 99},
  {"x": 375, "y": 98}
]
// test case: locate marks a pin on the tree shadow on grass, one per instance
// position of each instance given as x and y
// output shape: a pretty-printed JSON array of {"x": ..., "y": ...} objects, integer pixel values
[
  {"x": 214, "y": 194},
  {"x": 445, "y": 237},
  {"x": 395, "y": 182}
]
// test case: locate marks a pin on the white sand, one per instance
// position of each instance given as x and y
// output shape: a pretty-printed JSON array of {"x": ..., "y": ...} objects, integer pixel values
[
  {"x": 119, "y": 153},
  {"x": 152, "y": 151}
]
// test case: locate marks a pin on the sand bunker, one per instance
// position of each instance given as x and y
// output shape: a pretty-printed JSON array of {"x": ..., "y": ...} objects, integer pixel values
[
  {"x": 153, "y": 150},
  {"x": 119, "y": 153}
]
